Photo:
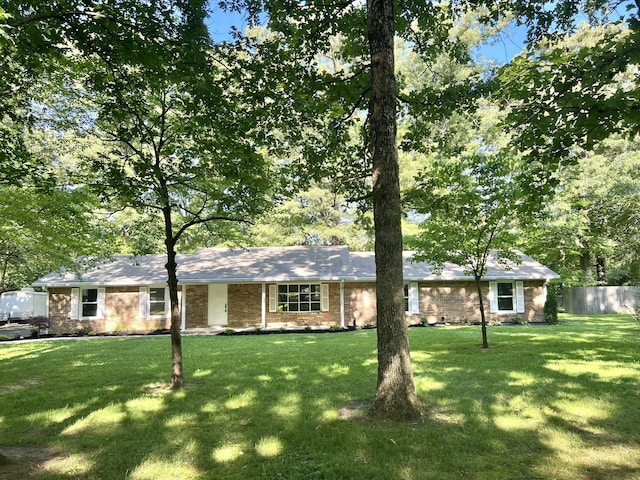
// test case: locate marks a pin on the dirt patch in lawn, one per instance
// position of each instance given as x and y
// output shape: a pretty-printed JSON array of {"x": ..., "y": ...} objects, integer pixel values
[
  {"x": 29, "y": 382},
  {"x": 355, "y": 410},
  {"x": 25, "y": 461}
]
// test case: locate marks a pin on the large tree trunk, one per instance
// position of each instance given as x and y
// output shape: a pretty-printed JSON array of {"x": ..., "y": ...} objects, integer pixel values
[
  {"x": 177, "y": 374},
  {"x": 395, "y": 395}
]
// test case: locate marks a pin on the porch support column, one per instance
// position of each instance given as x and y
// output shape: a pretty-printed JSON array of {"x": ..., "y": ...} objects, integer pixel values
[
  {"x": 183, "y": 307},
  {"x": 342, "y": 304},
  {"x": 263, "y": 322}
]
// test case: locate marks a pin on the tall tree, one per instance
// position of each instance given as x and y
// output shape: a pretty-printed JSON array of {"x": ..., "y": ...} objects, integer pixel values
[
  {"x": 36, "y": 35},
  {"x": 395, "y": 394},
  {"x": 570, "y": 97},
  {"x": 44, "y": 230},
  {"x": 336, "y": 100},
  {"x": 174, "y": 133},
  {"x": 364, "y": 93},
  {"x": 179, "y": 148}
]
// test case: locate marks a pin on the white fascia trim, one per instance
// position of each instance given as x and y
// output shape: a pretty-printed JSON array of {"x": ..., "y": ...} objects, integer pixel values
[
  {"x": 101, "y": 284},
  {"x": 261, "y": 280}
]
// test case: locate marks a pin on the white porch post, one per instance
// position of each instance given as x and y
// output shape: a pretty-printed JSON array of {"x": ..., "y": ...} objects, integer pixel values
[
  {"x": 183, "y": 307},
  {"x": 263, "y": 320},
  {"x": 342, "y": 304}
]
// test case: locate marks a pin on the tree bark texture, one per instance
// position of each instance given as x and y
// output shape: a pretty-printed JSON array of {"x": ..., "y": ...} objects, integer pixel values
[
  {"x": 396, "y": 398},
  {"x": 177, "y": 373},
  {"x": 483, "y": 318}
]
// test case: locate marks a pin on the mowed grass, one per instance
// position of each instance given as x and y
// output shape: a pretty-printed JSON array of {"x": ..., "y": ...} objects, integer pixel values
[{"x": 544, "y": 402}]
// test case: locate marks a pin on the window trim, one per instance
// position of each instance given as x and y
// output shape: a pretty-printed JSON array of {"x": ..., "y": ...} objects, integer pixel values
[
  {"x": 411, "y": 298},
  {"x": 77, "y": 303},
  {"x": 165, "y": 297},
  {"x": 144, "y": 302},
  {"x": 517, "y": 287}
]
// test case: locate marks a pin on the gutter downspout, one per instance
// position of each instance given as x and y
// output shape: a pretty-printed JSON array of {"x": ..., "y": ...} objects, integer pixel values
[
  {"x": 46, "y": 290},
  {"x": 342, "y": 303},
  {"x": 183, "y": 307},
  {"x": 263, "y": 321}
]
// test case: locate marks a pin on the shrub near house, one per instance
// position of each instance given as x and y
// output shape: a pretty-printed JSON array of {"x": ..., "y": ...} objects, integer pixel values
[{"x": 279, "y": 287}]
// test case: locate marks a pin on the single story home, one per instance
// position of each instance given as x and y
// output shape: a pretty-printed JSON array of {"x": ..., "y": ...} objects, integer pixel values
[{"x": 280, "y": 287}]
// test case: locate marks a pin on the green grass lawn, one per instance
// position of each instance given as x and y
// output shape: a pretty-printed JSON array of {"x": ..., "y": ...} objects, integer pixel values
[{"x": 544, "y": 402}]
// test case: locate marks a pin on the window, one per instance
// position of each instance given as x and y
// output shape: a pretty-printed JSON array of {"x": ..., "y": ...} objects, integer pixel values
[
  {"x": 411, "y": 300},
  {"x": 153, "y": 302},
  {"x": 505, "y": 296},
  {"x": 157, "y": 305},
  {"x": 406, "y": 298},
  {"x": 89, "y": 302},
  {"x": 299, "y": 298}
]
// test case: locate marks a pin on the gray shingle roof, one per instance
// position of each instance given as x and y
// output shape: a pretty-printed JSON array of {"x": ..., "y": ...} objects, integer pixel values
[
  {"x": 270, "y": 264},
  {"x": 528, "y": 269}
]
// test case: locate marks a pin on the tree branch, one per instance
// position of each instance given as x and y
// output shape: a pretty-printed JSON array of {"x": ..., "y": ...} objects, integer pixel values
[{"x": 206, "y": 220}]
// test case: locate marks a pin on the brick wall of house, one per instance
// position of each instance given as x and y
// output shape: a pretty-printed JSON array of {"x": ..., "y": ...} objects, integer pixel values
[
  {"x": 439, "y": 302},
  {"x": 458, "y": 303},
  {"x": 535, "y": 295},
  {"x": 360, "y": 303},
  {"x": 122, "y": 309},
  {"x": 121, "y": 313},
  {"x": 197, "y": 310},
  {"x": 59, "y": 308},
  {"x": 451, "y": 302},
  {"x": 244, "y": 305}
]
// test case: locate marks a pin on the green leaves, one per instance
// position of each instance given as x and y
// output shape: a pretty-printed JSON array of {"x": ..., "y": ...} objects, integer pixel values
[
  {"x": 594, "y": 215},
  {"x": 574, "y": 94},
  {"x": 43, "y": 231},
  {"x": 470, "y": 207}
]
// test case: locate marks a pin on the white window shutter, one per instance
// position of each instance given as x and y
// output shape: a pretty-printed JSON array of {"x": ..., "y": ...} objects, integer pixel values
[
  {"x": 324, "y": 297},
  {"x": 493, "y": 297},
  {"x": 520, "y": 297},
  {"x": 414, "y": 299},
  {"x": 167, "y": 303},
  {"x": 75, "y": 304},
  {"x": 143, "y": 302},
  {"x": 101, "y": 302},
  {"x": 273, "y": 298}
]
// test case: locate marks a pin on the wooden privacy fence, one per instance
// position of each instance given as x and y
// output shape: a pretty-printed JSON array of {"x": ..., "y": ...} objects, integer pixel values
[{"x": 584, "y": 300}]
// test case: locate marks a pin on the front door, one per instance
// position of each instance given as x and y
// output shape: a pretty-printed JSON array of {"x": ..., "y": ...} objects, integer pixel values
[{"x": 217, "y": 304}]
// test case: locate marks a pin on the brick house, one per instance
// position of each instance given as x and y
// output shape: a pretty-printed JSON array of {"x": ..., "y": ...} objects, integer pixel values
[{"x": 278, "y": 287}]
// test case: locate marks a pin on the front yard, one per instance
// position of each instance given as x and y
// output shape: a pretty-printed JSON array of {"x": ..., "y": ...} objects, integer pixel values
[{"x": 544, "y": 402}]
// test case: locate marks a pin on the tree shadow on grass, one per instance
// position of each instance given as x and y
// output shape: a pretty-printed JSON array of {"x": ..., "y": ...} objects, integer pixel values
[{"x": 269, "y": 407}]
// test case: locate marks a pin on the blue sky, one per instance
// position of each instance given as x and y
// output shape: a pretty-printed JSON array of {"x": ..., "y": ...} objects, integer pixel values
[
  {"x": 220, "y": 23},
  {"x": 505, "y": 46}
]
